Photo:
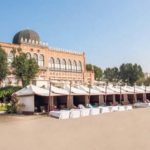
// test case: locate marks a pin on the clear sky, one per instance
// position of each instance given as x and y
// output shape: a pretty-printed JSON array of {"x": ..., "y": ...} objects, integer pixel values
[{"x": 110, "y": 32}]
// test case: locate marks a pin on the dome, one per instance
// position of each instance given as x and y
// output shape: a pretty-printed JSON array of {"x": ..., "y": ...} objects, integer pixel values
[{"x": 26, "y": 36}]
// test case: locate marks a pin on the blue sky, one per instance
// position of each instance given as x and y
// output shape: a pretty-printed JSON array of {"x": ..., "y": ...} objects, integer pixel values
[{"x": 110, "y": 32}]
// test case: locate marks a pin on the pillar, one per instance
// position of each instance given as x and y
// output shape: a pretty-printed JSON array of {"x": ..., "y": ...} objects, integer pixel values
[
  {"x": 70, "y": 101},
  {"x": 51, "y": 103},
  {"x": 144, "y": 97},
  {"x": 114, "y": 99},
  {"x": 125, "y": 98},
  {"x": 87, "y": 101},
  {"x": 135, "y": 98},
  {"x": 101, "y": 99}
]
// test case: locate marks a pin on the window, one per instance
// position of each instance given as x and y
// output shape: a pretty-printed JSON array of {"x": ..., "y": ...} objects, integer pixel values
[
  {"x": 35, "y": 56},
  {"x": 63, "y": 64},
  {"x": 41, "y": 60},
  {"x": 69, "y": 65},
  {"x": 79, "y": 66},
  {"x": 10, "y": 57},
  {"x": 51, "y": 63},
  {"x": 74, "y": 66},
  {"x": 57, "y": 64},
  {"x": 28, "y": 56}
]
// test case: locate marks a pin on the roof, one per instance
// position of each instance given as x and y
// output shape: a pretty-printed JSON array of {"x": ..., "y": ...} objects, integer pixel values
[
  {"x": 32, "y": 90},
  {"x": 28, "y": 36}
]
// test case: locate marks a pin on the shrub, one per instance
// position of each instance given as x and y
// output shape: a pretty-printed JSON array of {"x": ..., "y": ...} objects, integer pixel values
[
  {"x": 5, "y": 107},
  {"x": 6, "y": 92}
]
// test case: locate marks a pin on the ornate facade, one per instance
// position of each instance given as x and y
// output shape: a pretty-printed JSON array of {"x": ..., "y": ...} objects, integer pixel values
[{"x": 54, "y": 63}]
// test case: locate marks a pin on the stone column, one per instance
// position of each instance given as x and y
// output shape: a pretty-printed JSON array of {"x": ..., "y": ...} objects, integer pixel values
[
  {"x": 87, "y": 101},
  {"x": 70, "y": 101},
  {"x": 135, "y": 98},
  {"x": 114, "y": 99},
  {"x": 101, "y": 99},
  {"x": 51, "y": 102},
  {"x": 125, "y": 98},
  {"x": 144, "y": 97}
]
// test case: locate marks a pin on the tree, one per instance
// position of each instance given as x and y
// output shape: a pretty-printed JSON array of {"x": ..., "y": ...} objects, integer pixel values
[
  {"x": 97, "y": 71},
  {"x": 89, "y": 67},
  {"x": 3, "y": 65},
  {"x": 147, "y": 81},
  {"x": 24, "y": 69},
  {"x": 130, "y": 73},
  {"x": 111, "y": 74}
]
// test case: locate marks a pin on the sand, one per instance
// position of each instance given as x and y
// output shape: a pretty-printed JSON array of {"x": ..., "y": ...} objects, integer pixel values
[{"x": 128, "y": 130}]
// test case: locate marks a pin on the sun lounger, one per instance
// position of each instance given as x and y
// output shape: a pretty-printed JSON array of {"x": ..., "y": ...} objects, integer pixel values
[
  {"x": 94, "y": 110},
  {"x": 60, "y": 114},
  {"x": 141, "y": 105},
  {"x": 114, "y": 108},
  {"x": 128, "y": 107},
  {"x": 74, "y": 113},
  {"x": 84, "y": 111},
  {"x": 104, "y": 109},
  {"x": 121, "y": 108}
]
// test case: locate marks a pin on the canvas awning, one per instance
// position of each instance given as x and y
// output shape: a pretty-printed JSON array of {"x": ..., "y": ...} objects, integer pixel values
[
  {"x": 32, "y": 90},
  {"x": 90, "y": 90},
  {"x": 76, "y": 91}
]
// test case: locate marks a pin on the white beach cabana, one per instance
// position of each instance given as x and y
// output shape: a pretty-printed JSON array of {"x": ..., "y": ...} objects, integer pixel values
[{"x": 27, "y": 96}]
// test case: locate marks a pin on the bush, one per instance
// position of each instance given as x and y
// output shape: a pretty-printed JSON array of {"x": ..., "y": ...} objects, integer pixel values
[
  {"x": 6, "y": 92},
  {"x": 5, "y": 107}
]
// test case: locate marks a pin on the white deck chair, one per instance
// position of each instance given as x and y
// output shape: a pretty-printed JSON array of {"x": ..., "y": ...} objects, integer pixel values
[
  {"x": 128, "y": 107},
  {"x": 114, "y": 108},
  {"x": 84, "y": 111},
  {"x": 75, "y": 113},
  {"x": 94, "y": 110},
  {"x": 104, "y": 109},
  {"x": 121, "y": 108},
  {"x": 60, "y": 114}
]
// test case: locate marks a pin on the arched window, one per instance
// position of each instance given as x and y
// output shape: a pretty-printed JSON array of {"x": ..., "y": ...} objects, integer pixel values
[
  {"x": 79, "y": 66},
  {"x": 63, "y": 64},
  {"x": 35, "y": 56},
  {"x": 51, "y": 63},
  {"x": 57, "y": 64},
  {"x": 74, "y": 66},
  {"x": 69, "y": 65},
  {"x": 10, "y": 57},
  {"x": 41, "y": 60},
  {"x": 28, "y": 55}
]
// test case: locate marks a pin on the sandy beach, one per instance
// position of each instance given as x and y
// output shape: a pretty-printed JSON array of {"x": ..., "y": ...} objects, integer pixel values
[{"x": 114, "y": 131}]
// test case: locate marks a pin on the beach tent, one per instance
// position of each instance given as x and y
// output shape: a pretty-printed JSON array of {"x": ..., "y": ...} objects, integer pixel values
[
  {"x": 120, "y": 94},
  {"x": 109, "y": 94},
  {"x": 60, "y": 91},
  {"x": 95, "y": 97},
  {"x": 32, "y": 90},
  {"x": 27, "y": 96},
  {"x": 75, "y": 90},
  {"x": 90, "y": 90}
]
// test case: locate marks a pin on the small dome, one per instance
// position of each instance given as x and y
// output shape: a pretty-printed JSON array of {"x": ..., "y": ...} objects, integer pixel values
[{"x": 26, "y": 36}]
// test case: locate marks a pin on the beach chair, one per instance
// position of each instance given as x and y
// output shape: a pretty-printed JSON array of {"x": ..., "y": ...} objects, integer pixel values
[
  {"x": 128, "y": 107},
  {"x": 104, "y": 109},
  {"x": 93, "y": 110},
  {"x": 121, "y": 108},
  {"x": 84, "y": 111},
  {"x": 60, "y": 114},
  {"x": 114, "y": 108},
  {"x": 75, "y": 113}
]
